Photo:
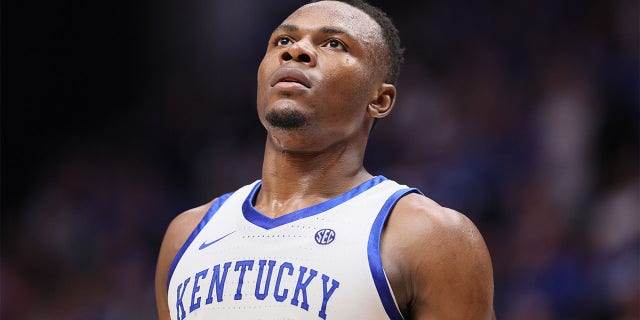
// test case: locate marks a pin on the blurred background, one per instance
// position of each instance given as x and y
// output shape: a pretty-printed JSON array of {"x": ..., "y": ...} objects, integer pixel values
[{"x": 117, "y": 116}]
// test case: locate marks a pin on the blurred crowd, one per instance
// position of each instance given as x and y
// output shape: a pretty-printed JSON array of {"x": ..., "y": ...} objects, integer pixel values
[{"x": 523, "y": 115}]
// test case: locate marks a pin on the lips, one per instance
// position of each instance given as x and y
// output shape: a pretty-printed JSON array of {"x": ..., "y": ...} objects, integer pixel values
[{"x": 290, "y": 76}]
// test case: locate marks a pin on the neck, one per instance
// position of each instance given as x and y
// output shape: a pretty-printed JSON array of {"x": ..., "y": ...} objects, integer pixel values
[{"x": 295, "y": 180}]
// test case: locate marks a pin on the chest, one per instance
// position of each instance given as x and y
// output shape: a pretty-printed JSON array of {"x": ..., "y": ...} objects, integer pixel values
[{"x": 310, "y": 265}]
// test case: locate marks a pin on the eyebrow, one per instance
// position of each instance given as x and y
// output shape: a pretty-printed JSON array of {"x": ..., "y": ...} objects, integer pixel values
[
  {"x": 332, "y": 30},
  {"x": 326, "y": 30},
  {"x": 287, "y": 27}
]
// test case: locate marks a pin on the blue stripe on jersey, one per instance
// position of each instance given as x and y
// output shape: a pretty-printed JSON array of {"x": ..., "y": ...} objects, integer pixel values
[
  {"x": 214, "y": 208},
  {"x": 375, "y": 261},
  {"x": 254, "y": 216}
]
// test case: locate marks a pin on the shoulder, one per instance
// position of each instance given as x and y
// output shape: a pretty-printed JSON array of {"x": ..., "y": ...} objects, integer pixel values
[
  {"x": 418, "y": 223},
  {"x": 183, "y": 224},
  {"x": 179, "y": 230},
  {"x": 431, "y": 223},
  {"x": 441, "y": 260},
  {"x": 177, "y": 233}
]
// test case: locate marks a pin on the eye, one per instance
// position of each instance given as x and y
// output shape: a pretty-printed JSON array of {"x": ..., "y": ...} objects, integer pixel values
[
  {"x": 282, "y": 41},
  {"x": 336, "y": 44}
]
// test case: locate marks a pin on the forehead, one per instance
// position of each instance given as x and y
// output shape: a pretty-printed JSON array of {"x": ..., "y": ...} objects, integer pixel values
[{"x": 355, "y": 22}]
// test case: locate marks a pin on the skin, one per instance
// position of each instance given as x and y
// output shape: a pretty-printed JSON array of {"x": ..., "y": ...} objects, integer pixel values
[{"x": 435, "y": 258}]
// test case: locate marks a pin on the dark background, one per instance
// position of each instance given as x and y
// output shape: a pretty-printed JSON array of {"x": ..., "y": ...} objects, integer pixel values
[{"x": 117, "y": 116}]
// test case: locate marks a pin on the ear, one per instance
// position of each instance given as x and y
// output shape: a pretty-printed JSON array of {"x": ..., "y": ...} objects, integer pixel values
[{"x": 383, "y": 102}]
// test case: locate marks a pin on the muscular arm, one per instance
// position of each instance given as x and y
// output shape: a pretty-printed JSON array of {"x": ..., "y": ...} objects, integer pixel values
[
  {"x": 437, "y": 262},
  {"x": 176, "y": 235}
]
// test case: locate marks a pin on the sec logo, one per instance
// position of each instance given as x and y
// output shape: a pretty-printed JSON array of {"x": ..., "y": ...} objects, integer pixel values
[{"x": 325, "y": 236}]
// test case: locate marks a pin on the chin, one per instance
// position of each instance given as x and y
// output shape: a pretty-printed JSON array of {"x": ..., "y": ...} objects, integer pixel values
[{"x": 287, "y": 119}]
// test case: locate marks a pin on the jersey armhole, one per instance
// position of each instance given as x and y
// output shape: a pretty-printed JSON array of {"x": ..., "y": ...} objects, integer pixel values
[
  {"x": 375, "y": 261},
  {"x": 212, "y": 210}
]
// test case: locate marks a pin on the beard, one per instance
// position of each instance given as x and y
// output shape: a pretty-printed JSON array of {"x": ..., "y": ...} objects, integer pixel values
[{"x": 287, "y": 119}]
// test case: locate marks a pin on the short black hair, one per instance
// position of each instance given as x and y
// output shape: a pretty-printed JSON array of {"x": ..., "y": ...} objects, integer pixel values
[{"x": 391, "y": 36}]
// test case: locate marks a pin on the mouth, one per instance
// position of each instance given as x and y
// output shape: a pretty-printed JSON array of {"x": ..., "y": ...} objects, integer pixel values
[{"x": 290, "y": 77}]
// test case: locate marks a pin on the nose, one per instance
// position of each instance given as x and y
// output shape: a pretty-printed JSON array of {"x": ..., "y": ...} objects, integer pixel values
[{"x": 299, "y": 51}]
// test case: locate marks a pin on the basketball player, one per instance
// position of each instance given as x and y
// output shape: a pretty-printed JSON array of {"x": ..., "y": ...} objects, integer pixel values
[{"x": 319, "y": 237}]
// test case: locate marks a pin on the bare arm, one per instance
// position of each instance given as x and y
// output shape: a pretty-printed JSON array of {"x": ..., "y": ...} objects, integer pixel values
[
  {"x": 437, "y": 261},
  {"x": 176, "y": 235}
]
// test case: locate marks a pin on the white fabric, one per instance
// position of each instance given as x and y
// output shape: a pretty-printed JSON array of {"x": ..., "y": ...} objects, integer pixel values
[{"x": 328, "y": 248}]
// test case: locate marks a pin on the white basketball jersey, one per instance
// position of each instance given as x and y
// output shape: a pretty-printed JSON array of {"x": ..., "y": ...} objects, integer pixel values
[{"x": 321, "y": 262}]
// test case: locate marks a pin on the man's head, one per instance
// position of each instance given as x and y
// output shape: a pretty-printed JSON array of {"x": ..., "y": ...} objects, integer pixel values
[{"x": 327, "y": 73}]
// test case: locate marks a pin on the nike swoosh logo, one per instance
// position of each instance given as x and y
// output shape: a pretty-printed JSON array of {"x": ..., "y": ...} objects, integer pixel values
[{"x": 206, "y": 244}]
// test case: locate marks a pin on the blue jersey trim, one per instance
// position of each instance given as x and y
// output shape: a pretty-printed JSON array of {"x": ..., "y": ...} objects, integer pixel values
[
  {"x": 375, "y": 261},
  {"x": 214, "y": 208},
  {"x": 254, "y": 216}
]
